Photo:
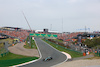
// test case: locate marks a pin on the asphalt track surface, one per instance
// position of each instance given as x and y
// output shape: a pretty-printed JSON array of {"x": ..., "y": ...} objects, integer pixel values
[{"x": 46, "y": 50}]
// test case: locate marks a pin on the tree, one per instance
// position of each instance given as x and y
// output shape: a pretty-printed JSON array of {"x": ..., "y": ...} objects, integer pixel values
[{"x": 92, "y": 42}]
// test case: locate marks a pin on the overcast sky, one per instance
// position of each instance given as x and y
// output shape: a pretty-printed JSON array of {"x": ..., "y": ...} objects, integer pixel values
[{"x": 41, "y": 14}]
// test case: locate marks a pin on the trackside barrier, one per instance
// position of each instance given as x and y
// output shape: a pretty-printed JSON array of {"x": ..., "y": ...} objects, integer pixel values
[
  {"x": 97, "y": 53},
  {"x": 64, "y": 47},
  {"x": 4, "y": 54},
  {"x": 84, "y": 54}
]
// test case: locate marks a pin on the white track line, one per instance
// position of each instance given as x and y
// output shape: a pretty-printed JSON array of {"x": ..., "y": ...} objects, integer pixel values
[
  {"x": 30, "y": 61},
  {"x": 68, "y": 56}
]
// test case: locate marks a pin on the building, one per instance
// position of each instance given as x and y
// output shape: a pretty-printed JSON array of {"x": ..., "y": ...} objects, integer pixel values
[{"x": 46, "y": 31}]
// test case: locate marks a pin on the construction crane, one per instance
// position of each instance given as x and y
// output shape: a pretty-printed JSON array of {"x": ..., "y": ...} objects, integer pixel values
[{"x": 26, "y": 20}]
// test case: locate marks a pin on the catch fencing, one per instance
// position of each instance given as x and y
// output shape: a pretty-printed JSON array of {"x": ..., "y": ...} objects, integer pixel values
[
  {"x": 97, "y": 53},
  {"x": 75, "y": 47},
  {"x": 65, "y": 47}
]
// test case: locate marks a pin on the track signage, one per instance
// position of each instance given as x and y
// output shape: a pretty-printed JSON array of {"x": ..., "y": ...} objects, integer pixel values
[{"x": 43, "y": 35}]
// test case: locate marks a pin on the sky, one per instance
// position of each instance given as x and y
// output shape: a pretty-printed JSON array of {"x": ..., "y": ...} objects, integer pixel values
[{"x": 56, "y": 15}]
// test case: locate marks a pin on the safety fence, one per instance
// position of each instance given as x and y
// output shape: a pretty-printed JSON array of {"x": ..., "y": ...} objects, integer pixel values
[
  {"x": 97, "y": 53},
  {"x": 64, "y": 47},
  {"x": 74, "y": 47}
]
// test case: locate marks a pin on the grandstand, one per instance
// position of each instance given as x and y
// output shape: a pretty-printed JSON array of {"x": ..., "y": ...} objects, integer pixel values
[
  {"x": 46, "y": 31},
  {"x": 75, "y": 36},
  {"x": 10, "y": 28},
  {"x": 14, "y": 32},
  {"x": 68, "y": 37}
]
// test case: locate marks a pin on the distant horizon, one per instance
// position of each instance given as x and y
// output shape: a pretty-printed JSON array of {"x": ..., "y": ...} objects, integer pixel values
[{"x": 52, "y": 30}]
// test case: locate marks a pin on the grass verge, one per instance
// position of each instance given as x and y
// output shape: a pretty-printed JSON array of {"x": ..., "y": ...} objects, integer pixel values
[
  {"x": 73, "y": 54},
  {"x": 13, "y": 59},
  {"x": 58, "y": 40},
  {"x": 9, "y": 40},
  {"x": 30, "y": 45}
]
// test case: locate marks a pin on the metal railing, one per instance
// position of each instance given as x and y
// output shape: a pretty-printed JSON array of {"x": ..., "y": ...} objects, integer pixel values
[{"x": 97, "y": 53}]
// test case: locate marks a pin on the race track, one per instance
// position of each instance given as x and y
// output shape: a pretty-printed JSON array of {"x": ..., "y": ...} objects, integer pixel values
[{"x": 46, "y": 50}]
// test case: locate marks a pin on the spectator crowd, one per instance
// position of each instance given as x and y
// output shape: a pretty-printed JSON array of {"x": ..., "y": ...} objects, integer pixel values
[
  {"x": 22, "y": 35},
  {"x": 68, "y": 37}
]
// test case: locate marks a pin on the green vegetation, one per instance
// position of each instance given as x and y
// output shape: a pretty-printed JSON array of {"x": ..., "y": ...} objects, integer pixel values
[
  {"x": 2, "y": 49},
  {"x": 58, "y": 40},
  {"x": 4, "y": 40},
  {"x": 30, "y": 45},
  {"x": 9, "y": 40},
  {"x": 1, "y": 45},
  {"x": 73, "y": 54},
  {"x": 95, "y": 42},
  {"x": 13, "y": 59}
]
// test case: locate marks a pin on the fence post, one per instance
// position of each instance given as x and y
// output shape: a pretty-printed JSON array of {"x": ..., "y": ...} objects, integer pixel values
[
  {"x": 95, "y": 52},
  {"x": 99, "y": 54}
]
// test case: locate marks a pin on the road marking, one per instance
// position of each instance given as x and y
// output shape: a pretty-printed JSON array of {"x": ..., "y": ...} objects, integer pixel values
[{"x": 68, "y": 56}]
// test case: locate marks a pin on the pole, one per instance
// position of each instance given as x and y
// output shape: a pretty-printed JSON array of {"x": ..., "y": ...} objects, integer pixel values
[
  {"x": 50, "y": 27},
  {"x": 62, "y": 28},
  {"x": 85, "y": 29},
  {"x": 62, "y": 25},
  {"x": 30, "y": 29},
  {"x": 26, "y": 20}
]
